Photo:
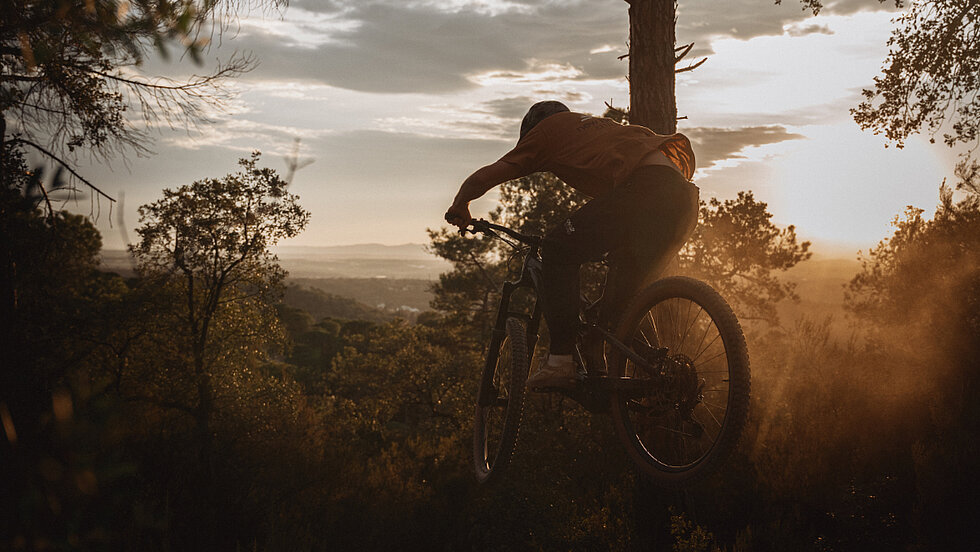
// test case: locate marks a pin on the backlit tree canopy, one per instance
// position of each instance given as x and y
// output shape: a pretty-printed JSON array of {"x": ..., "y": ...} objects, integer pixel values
[
  {"x": 207, "y": 244},
  {"x": 68, "y": 79},
  {"x": 930, "y": 80},
  {"x": 931, "y": 76}
]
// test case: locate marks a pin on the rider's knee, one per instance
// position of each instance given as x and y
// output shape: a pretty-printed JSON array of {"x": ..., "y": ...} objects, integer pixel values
[{"x": 556, "y": 253}]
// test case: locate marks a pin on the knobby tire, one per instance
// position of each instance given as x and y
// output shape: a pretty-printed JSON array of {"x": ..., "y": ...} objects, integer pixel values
[
  {"x": 661, "y": 430},
  {"x": 500, "y": 401}
]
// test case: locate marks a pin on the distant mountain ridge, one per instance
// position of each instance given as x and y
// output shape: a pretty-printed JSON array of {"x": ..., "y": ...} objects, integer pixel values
[
  {"x": 407, "y": 251},
  {"x": 367, "y": 260}
]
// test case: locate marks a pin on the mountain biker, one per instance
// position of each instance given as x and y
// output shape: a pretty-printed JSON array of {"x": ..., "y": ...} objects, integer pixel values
[{"x": 643, "y": 208}]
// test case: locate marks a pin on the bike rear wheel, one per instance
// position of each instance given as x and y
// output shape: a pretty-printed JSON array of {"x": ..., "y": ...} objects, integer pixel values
[
  {"x": 692, "y": 413},
  {"x": 500, "y": 402}
]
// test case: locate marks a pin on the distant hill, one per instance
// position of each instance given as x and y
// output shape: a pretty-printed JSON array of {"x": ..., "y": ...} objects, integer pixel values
[
  {"x": 405, "y": 251},
  {"x": 118, "y": 261},
  {"x": 368, "y": 282},
  {"x": 395, "y": 295},
  {"x": 379, "y": 282},
  {"x": 372, "y": 260},
  {"x": 323, "y": 305}
]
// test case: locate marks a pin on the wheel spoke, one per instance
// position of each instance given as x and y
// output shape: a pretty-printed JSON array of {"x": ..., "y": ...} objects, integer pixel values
[
  {"x": 674, "y": 431},
  {"x": 707, "y": 328},
  {"x": 722, "y": 353},
  {"x": 698, "y": 421},
  {"x": 708, "y": 346},
  {"x": 645, "y": 338},
  {"x": 671, "y": 431},
  {"x": 718, "y": 406},
  {"x": 653, "y": 324},
  {"x": 673, "y": 326},
  {"x": 693, "y": 322},
  {"x": 710, "y": 413}
]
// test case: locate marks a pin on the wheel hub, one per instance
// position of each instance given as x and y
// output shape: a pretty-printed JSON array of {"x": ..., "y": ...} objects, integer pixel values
[
  {"x": 680, "y": 389},
  {"x": 685, "y": 388}
]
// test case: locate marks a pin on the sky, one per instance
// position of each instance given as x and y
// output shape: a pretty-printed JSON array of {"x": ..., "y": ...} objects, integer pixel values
[{"x": 396, "y": 102}]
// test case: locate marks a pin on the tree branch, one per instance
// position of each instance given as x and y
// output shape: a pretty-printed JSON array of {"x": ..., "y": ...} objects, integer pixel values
[
  {"x": 684, "y": 50},
  {"x": 691, "y": 67},
  {"x": 20, "y": 78},
  {"x": 63, "y": 164}
]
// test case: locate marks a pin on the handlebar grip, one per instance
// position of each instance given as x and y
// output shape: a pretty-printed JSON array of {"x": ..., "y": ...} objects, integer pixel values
[{"x": 479, "y": 225}]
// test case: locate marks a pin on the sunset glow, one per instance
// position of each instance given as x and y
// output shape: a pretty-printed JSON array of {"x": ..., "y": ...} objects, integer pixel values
[{"x": 397, "y": 103}]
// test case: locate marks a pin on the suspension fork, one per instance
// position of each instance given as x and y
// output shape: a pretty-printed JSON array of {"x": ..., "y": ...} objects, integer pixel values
[
  {"x": 531, "y": 278},
  {"x": 499, "y": 331}
]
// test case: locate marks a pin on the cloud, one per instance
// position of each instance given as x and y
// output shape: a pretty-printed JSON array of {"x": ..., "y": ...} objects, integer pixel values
[
  {"x": 426, "y": 46},
  {"x": 803, "y": 30},
  {"x": 498, "y": 118},
  {"x": 509, "y": 108},
  {"x": 701, "y": 21},
  {"x": 851, "y": 7},
  {"x": 714, "y": 145},
  {"x": 319, "y": 6},
  {"x": 431, "y": 47}
]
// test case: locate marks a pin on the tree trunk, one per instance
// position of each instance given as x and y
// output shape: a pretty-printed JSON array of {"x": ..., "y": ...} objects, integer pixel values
[
  {"x": 651, "y": 70},
  {"x": 3, "y": 149}
]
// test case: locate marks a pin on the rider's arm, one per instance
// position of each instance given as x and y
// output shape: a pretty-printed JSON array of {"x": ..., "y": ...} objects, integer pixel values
[
  {"x": 523, "y": 160},
  {"x": 486, "y": 178},
  {"x": 478, "y": 184}
]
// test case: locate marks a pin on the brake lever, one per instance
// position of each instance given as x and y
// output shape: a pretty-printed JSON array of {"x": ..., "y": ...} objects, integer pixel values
[{"x": 475, "y": 226}]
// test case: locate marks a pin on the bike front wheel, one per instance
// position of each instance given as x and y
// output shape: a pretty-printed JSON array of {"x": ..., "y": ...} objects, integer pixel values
[
  {"x": 500, "y": 402},
  {"x": 687, "y": 415}
]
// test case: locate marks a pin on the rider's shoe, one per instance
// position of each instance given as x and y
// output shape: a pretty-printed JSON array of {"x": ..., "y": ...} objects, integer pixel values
[{"x": 558, "y": 372}]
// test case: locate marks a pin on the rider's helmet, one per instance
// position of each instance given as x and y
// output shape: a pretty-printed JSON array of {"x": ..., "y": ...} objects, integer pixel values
[{"x": 538, "y": 112}]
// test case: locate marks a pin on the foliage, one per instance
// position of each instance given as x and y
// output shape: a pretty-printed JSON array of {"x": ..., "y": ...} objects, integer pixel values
[
  {"x": 816, "y": 5},
  {"x": 919, "y": 291},
  {"x": 48, "y": 275},
  {"x": 192, "y": 360},
  {"x": 535, "y": 203},
  {"x": 929, "y": 268},
  {"x": 737, "y": 249},
  {"x": 50, "y": 292},
  {"x": 468, "y": 293},
  {"x": 400, "y": 380},
  {"x": 690, "y": 537},
  {"x": 322, "y": 305},
  {"x": 360, "y": 436},
  {"x": 931, "y": 76},
  {"x": 206, "y": 246},
  {"x": 67, "y": 75}
]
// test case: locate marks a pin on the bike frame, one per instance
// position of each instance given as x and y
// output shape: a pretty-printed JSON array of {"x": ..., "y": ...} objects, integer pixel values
[{"x": 593, "y": 394}]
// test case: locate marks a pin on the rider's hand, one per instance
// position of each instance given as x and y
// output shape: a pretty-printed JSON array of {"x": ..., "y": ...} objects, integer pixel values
[{"x": 459, "y": 215}]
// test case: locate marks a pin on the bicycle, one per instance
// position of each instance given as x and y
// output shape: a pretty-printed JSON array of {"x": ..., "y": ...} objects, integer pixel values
[{"x": 673, "y": 373}]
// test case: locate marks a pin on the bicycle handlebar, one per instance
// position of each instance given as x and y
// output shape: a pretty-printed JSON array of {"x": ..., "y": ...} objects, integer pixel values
[{"x": 486, "y": 227}]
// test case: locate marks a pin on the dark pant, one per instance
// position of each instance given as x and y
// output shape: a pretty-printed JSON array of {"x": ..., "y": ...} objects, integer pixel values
[{"x": 643, "y": 223}]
